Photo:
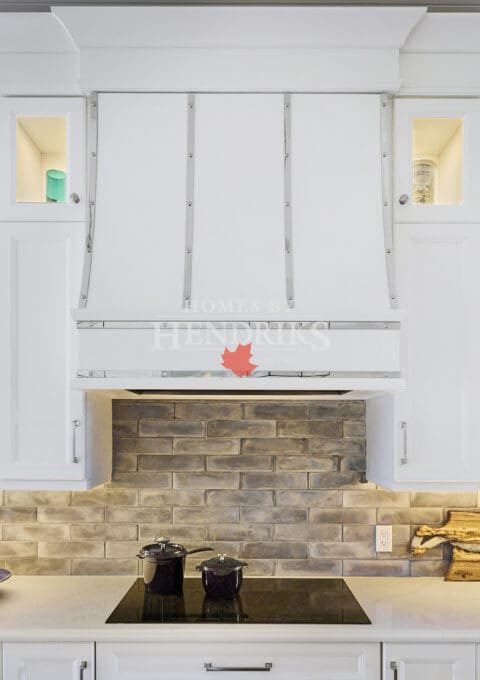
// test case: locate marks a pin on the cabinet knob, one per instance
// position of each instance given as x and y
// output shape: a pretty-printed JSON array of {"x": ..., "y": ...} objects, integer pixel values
[
  {"x": 75, "y": 198},
  {"x": 403, "y": 199}
]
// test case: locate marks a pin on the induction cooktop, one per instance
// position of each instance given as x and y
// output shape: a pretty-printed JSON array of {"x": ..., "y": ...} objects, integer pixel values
[{"x": 261, "y": 600}]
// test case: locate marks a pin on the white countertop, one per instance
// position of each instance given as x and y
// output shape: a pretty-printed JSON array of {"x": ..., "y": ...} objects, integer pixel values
[{"x": 74, "y": 608}]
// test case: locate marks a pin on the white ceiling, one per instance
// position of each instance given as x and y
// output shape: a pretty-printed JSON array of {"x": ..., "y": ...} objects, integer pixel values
[{"x": 48, "y": 134}]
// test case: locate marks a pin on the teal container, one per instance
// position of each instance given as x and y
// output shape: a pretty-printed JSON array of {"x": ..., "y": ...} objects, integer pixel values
[{"x": 56, "y": 186}]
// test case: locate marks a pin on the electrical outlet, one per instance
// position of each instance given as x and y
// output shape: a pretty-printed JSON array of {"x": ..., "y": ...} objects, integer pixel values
[{"x": 383, "y": 538}]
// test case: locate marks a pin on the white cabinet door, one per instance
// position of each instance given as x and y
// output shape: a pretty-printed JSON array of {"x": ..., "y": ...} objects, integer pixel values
[
  {"x": 42, "y": 421},
  {"x": 428, "y": 661},
  {"x": 438, "y": 429},
  {"x": 437, "y": 160},
  {"x": 42, "y": 166},
  {"x": 48, "y": 661},
  {"x": 181, "y": 661}
]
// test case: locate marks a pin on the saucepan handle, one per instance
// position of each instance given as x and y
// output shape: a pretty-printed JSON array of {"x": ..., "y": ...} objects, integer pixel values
[{"x": 195, "y": 550}]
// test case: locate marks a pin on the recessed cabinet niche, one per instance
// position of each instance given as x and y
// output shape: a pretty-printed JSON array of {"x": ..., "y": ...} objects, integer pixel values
[
  {"x": 42, "y": 172},
  {"x": 437, "y": 160}
]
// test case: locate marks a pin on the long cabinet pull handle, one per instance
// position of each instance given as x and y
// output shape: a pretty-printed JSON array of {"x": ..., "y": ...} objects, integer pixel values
[
  {"x": 394, "y": 667},
  {"x": 259, "y": 669},
  {"x": 83, "y": 666},
  {"x": 404, "y": 458},
  {"x": 75, "y": 424}
]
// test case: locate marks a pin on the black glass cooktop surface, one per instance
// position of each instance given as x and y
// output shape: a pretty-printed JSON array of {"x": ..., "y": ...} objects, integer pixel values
[{"x": 261, "y": 600}]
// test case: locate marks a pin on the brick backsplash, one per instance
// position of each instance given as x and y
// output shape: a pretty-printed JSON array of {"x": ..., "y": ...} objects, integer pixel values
[{"x": 280, "y": 484}]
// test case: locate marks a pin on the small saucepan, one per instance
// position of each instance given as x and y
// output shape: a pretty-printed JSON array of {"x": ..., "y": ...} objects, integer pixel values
[
  {"x": 164, "y": 566},
  {"x": 222, "y": 576}
]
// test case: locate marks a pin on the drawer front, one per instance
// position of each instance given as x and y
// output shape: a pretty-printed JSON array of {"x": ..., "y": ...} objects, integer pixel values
[{"x": 242, "y": 661}]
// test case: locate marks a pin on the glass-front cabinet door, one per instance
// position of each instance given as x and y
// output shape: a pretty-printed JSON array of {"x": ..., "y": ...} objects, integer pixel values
[
  {"x": 437, "y": 160},
  {"x": 42, "y": 166}
]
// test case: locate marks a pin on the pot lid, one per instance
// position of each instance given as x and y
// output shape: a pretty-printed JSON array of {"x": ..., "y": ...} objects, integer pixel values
[
  {"x": 221, "y": 565},
  {"x": 163, "y": 549}
]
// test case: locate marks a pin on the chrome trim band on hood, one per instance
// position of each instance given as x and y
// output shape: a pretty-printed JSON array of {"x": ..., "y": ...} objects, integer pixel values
[
  {"x": 189, "y": 207},
  {"x": 227, "y": 374},
  {"x": 287, "y": 191},
  {"x": 92, "y": 197},
  {"x": 223, "y": 325}
]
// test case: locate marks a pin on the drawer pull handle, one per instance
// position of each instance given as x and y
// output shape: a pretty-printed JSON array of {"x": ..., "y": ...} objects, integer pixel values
[
  {"x": 83, "y": 666},
  {"x": 75, "y": 425},
  {"x": 258, "y": 669}
]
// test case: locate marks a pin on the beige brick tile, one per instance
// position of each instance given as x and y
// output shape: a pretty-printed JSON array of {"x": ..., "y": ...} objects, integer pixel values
[
  {"x": 275, "y": 446},
  {"x": 171, "y": 428},
  {"x": 314, "y": 462},
  {"x": 36, "y": 532},
  {"x": 73, "y": 549},
  {"x": 31, "y": 566},
  {"x": 147, "y": 532},
  {"x": 276, "y": 410},
  {"x": 142, "y": 445},
  {"x": 171, "y": 463},
  {"x": 343, "y": 410},
  {"x": 162, "y": 480},
  {"x": 69, "y": 515},
  {"x": 261, "y": 567},
  {"x": 218, "y": 446},
  {"x": 204, "y": 515},
  {"x": 103, "y": 532},
  {"x": 239, "y": 532},
  {"x": 135, "y": 410},
  {"x": 343, "y": 516},
  {"x": 376, "y": 499},
  {"x": 239, "y": 498},
  {"x": 209, "y": 410},
  {"x": 354, "y": 428},
  {"x": 105, "y": 496},
  {"x": 350, "y": 550},
  {"x": 110, "y": 567},
  {"x": 358, "y": 532},
  {"x": 13, "y": 515},
  {"x": 206, "y": 480},
  {"x": 410, "y": 515},
  {"x": 17, "y": 549},
  {"x": 308, "y": 567},
  {"x": 429, "y": 568},
  {"x": 444, "y": 499},
  {"x": 159, "y": 498},
  {"x": 122, "y": 549},
  {"x": 243, "y": 462},
  {"x": 125, "y": 462},
  {"x": 334, "y": 480},
  {"x": 35, "y": 498},
  {"x": 308, "y": 532},
  {"x": 124, "y": 428},
  {"x": 332, "y": 447},
  {"x": 376, "y": 568},
  {"x": 139, "y": 515},
  {"x": 274, "y": 550},
  {"x": 274, "y": 515},
  {"x": 241, "y": 428},
  {"x": 274, "y": 480},
  {"x": 310, "y": 498},
  {"x": 310, "y": 428}
]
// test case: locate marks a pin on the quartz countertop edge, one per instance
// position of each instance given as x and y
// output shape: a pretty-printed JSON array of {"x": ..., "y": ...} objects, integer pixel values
[{"x": 74, "y": 608}]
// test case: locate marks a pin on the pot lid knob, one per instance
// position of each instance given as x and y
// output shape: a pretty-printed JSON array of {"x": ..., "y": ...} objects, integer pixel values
[
  {"x": 163, "y": 541},
  {"x": 222, "y": 557}
]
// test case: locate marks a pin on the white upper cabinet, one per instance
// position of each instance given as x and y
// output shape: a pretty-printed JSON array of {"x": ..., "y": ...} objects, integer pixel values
[
  {"x": 42, "y": 420},
  {"x": 42, "y": 171},
  {"x": 437, "y": 160}
]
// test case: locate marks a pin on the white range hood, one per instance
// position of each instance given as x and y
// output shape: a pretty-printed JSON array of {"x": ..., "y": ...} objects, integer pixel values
[{"x": 220, "y": 219}]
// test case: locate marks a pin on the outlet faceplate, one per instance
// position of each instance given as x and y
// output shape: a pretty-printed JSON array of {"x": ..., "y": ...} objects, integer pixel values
[{"x": 383, "y": 538}]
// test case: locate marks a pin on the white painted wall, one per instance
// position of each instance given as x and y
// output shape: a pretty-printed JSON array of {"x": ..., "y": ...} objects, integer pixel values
[
  {"x": 450, "y": 170},
  {"x": 30, "y": 187}
]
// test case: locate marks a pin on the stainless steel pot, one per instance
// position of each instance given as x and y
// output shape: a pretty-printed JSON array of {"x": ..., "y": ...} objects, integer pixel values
[
  {"x": 222, "y": 576},
  {"x": 164, "y": 565}
]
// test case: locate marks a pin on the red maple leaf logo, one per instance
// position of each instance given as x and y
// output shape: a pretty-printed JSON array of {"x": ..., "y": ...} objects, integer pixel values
[{"x": 238, "y": 361}]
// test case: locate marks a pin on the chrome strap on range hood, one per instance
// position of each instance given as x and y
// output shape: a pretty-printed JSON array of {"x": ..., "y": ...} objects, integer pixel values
[
  {"x": 226, "y": 325},
  {"x": 339, "y": 375}
]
